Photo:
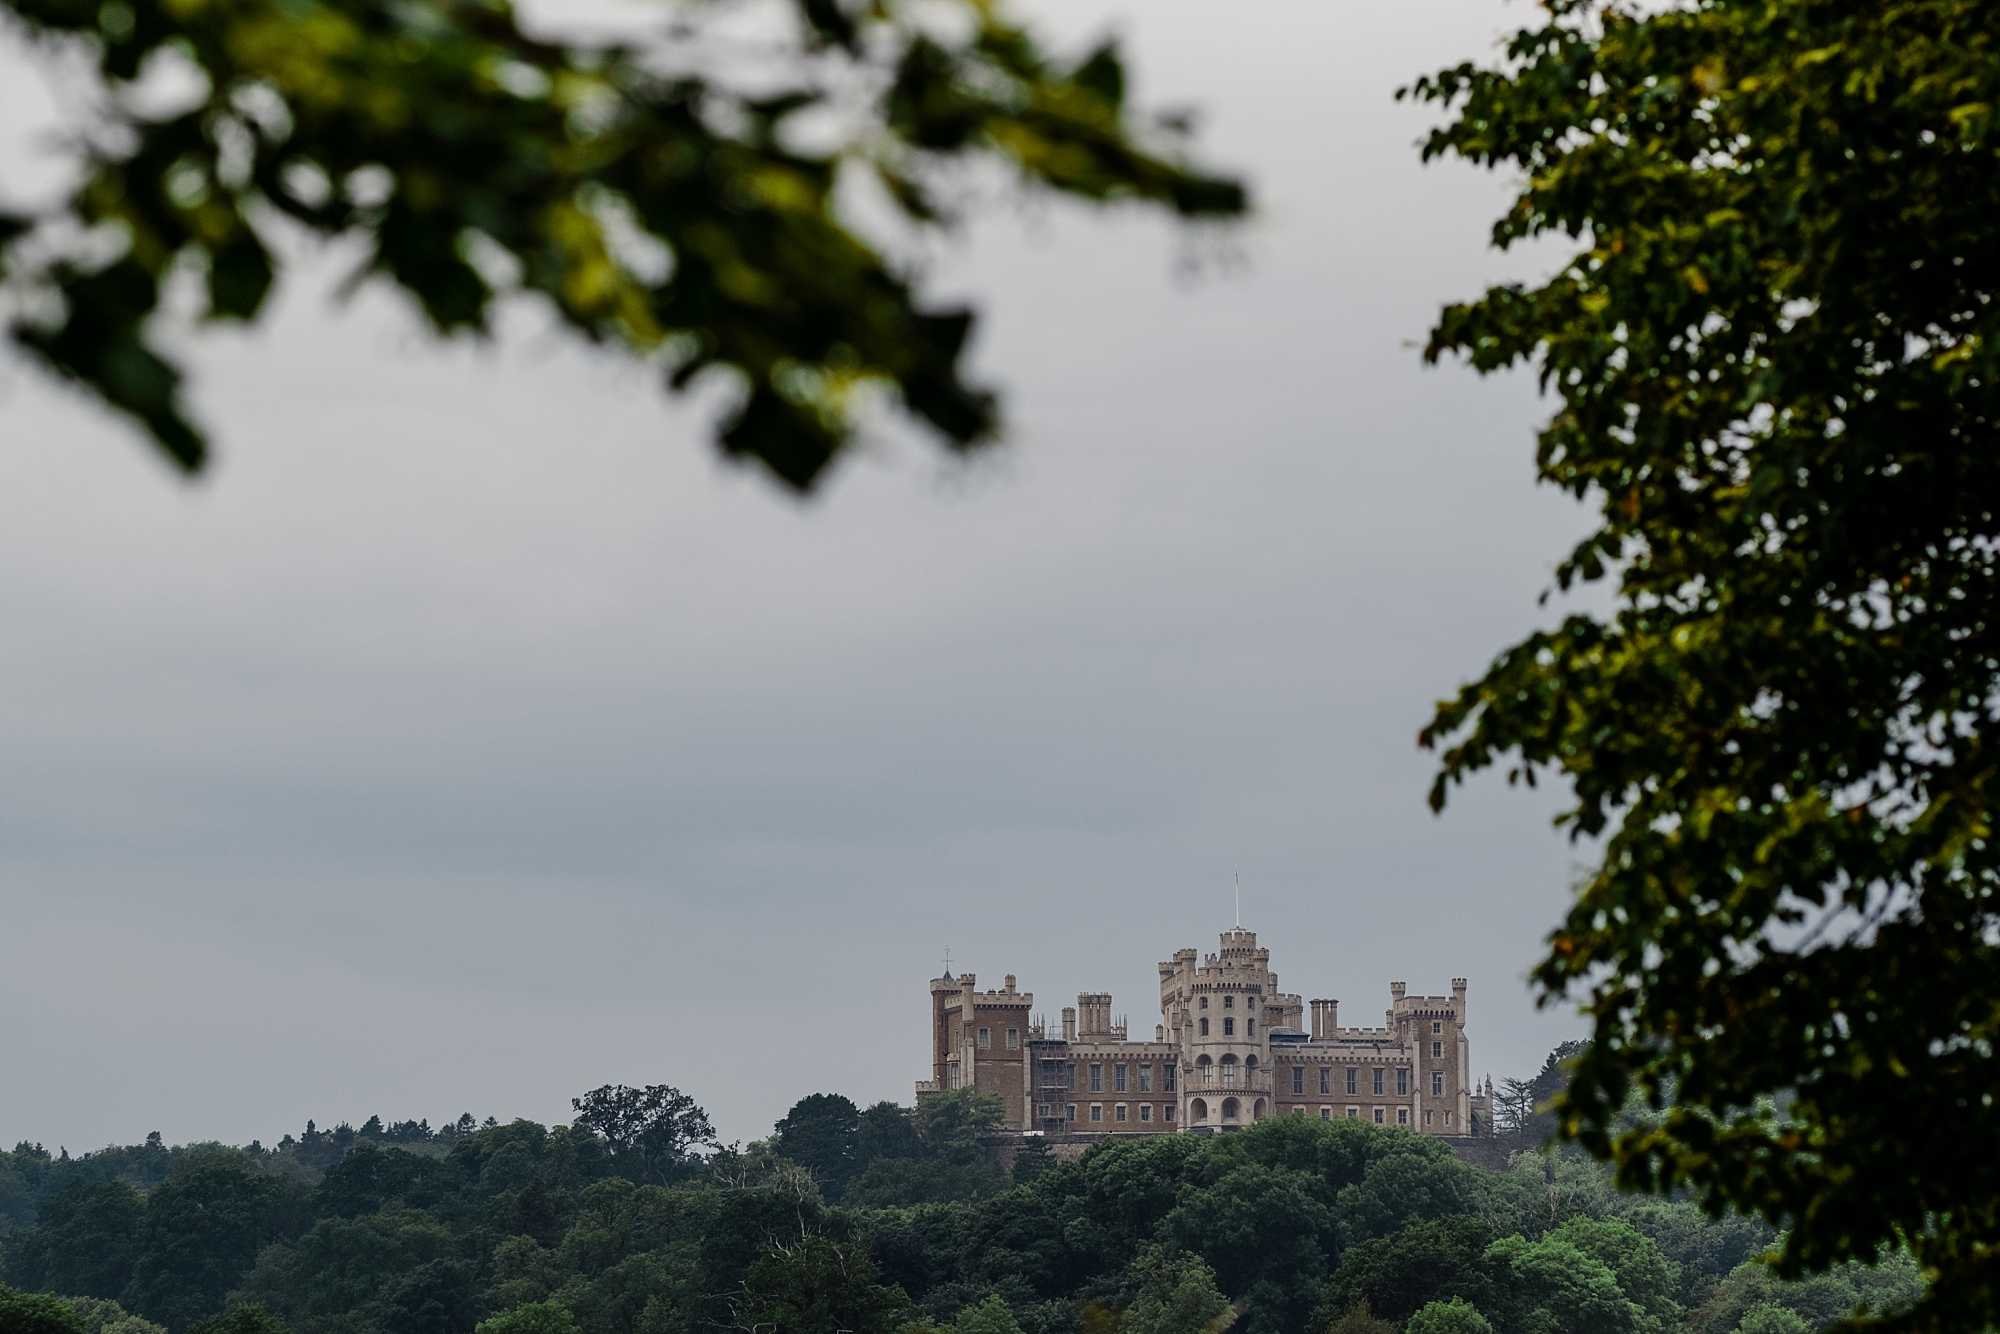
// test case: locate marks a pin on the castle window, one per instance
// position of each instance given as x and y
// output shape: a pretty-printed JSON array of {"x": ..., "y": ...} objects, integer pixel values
[
  {"x": 1228, "y": 1027},
  {"x": 1167, "y": 1080},
  {"x": 1145, "y": 1079},
  {"x": 1204, "y": 1002},
  {"x": 1204, "y": 1027},
  {"x": 1380, "y": 1113},
  {"x": 1403, "y": 1082},
  {"x": 1437, "y": 1050},
  {"x": 1118, "y": 1112},
  {"x": 1013, "y": 1039},
  {"x": 1325, "y": 1080},
  {"x": 1096, "y": 1078},
  {"x": 1326, "y": 1113},
  {"x": 1118, "y": 1078},
  {"x": 1437, "y": 1083},
  {"x": 1229, "y": 1002},
  {"x": 1145, "y": 1111},
  {"x": 1447, "y": 1120},
  {"x": 1437, "y": 1026},
  {"x": 1069, "y": 1112},
  {"x": 1298, "y": 1079},
  {"x": 1167, "y": 1112},
  {"x": 1353, "y": 1079},
  {"x": 1354, "y": 1113},
  {"x": 985, "y": 1038},
  {"x": 1378, "y": 1081},
  {"x": 1427, "y": 1116},
  {"x": 1402, "y": 1116},
  {"x": 1252, "y": 1027},
  {"x": 1097, "y": 1111}
]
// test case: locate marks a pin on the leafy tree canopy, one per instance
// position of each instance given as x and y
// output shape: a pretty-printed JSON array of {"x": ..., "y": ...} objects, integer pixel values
[
  {"x": 1456, "y": 1316},
  {"x": 33, "y": 1313},
  {"x": 677, "y": 199},
  {"x": 532, "y": 1318},
  {"x": 657, "y": 1129},
  {"x": 822, "y": 1133},
  {"x": 1772, "y": 343}
]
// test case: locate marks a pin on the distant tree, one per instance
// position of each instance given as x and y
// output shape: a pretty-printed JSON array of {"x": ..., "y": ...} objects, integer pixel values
[
  {"x": 35, "y": 1313},
  {"x": 203, "y": 1229},
  {"x": 100, "y": 1315},
  {"x": 656, "y": 1132},
  {"x": 85, "y": 1243},
  {"x": 951, "y": 1124},
  {"x": 816, "y": 1286},
  {"x": 991, "y": 1316},
  {"x": 1513, "y": 1105},
  {"x": 1551, "y": 1287},
  {"x": 532, "y": 1318},
  {"x": 1404, "y": 1188},
  {"x": 822, "y": 1134},
  {"x": 1174, "y": 1293},
  {"x": 1254, "y": 1223},
  {"x": 886, "y": 1131},
  {"x": 1772, "y": 1320},
  {"x": 371, "y": 1128},
  {"x": 248, "y": 1318},
  {"x": 1456, "y": 1316},
  {"x": 1644, "y": 1275},
  {"x": 1031, "y": 1160},
  {"x": 1395, "y": 1275},
  {"x": 1705, "y": 1248},
  {"x": 1357, "y": 1320}
]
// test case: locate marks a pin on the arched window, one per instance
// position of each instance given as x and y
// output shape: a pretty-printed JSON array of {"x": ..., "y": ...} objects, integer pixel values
[
  {"x": 1230, "y": 1109},
  {"x": 1229, "y": 1069},
  {"x": 1257, "y": 1110},
  {"x": 1197, "y": 1110}
]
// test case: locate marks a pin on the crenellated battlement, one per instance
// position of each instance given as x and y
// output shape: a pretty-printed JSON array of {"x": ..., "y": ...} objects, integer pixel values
[{"x": 1226, "y": 1030}]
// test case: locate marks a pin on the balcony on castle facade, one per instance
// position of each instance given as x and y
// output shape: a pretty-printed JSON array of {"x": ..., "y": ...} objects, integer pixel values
[{"x": 1226, "y": 1078}]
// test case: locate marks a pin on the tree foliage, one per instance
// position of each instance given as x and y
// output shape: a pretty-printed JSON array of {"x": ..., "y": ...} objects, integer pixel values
[
  {"x": 1771, "y": 339},
  {"x": 33, "y": 1313},
  {"x": 822, "y": 1133},
  {"x": 678, "y": 199},
  {"x": 1456, "y": 1316},
  {"x": 658, "y": 1130},
  {"x": 1291, "y": 1226}
]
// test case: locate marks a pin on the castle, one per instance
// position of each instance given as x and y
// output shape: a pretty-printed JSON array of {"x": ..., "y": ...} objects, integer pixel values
[{"x": 1232, "y": 1049}]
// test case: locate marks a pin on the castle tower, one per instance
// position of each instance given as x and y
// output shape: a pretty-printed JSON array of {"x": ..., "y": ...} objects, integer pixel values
[{"x": 1226, "y": 1048}]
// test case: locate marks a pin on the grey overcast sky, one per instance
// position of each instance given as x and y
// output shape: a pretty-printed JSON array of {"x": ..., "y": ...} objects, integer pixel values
[{"x": 473, "y": 737}]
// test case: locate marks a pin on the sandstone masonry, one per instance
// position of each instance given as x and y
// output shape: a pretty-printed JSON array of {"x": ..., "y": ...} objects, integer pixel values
[{"x": 1231, "y": 1049}]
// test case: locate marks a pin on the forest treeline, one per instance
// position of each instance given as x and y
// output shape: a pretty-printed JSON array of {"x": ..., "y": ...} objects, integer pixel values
[{"x": 633, "y": 1220}]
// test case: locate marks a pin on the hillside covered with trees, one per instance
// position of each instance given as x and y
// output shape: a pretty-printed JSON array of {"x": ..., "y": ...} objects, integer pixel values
[{"x": 633, "y": 1220}]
